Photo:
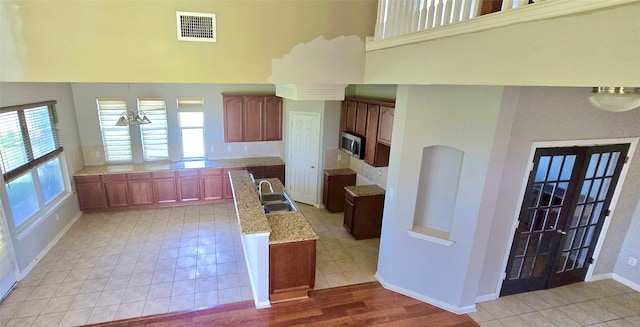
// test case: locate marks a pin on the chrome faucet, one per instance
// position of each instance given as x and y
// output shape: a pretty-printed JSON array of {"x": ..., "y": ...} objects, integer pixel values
[{"x": 260, "y": 188}]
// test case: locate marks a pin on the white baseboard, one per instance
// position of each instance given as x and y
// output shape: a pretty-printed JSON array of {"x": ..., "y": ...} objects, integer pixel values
[
  {"x": 48, "y": 248},
  {"x": 263, "y": 304},
  {"x": 626, "y": 282},
  {"x": 319, "y": 206},
  {"x": 595, "y": 278},
  {"x": 426, "y": 299},
  {"x": 486, "y": 297}
]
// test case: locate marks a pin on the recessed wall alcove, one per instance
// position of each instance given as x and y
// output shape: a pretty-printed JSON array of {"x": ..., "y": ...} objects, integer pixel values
[{"x": 437, "y": 193}]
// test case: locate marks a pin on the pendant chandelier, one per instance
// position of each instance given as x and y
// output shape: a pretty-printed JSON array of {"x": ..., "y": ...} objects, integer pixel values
[{"x": 131, "y": 117}]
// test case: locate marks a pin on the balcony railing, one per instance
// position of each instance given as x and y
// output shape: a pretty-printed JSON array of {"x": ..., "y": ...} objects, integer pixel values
[{"x": 409, "y": 21}]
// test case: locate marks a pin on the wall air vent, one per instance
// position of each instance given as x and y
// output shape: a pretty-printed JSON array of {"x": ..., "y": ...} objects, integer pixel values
[{"x": 194, "y": 26}]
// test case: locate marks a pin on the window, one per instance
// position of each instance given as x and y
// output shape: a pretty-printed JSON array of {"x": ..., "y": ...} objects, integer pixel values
[
  {"x": 191, "y": 117},
  {"x": 116, "y": 139},
  {"x": 154, "y": 136},
  {"x": 29, "y": 156}
]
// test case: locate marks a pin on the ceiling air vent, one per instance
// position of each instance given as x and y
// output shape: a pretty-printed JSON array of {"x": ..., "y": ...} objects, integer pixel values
[{"x": 195, "y": 26}]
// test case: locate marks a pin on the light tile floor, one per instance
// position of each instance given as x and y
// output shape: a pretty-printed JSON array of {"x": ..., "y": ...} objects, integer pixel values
[
  {"x": 602, "y": 303},
  {"x": 126, "y": 264}
]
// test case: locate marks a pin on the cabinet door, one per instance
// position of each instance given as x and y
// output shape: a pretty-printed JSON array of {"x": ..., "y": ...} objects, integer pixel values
[
  {"x": 292, "y": 269},
  {"x": 253, "y": 111},
  {"x": 257, "y": 171},
  {"x": 90, "y": 194},
  {"x": 361, "y": 118},
  {"x": 165, "y": 190},
  {"x": 275, "y": 172},
  {"x": 227, "y": 192},
  {"x": 188, "y": 186},
  {"x": 325, "y": 192},
  {"x": 140, "y": 192},
  {"x": 273, "y": 118},
  {"x": 343, "y": 122},
  {"x": 348, "y": 216},
  {"x": 211, "y": 180},
  {"x": 233, "y": 118},
  {"x": 351, "y": 115},
  {"x": 371, "y": 135},
  {"x": 117, "y": 195},
  {"x": 385, "y": 125}
]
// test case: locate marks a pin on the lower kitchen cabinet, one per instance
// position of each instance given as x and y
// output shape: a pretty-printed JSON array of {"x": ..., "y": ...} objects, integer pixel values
[
  {"x": 116, "y": 189},
  {"x": 211, "y": 180},
  {"x": 333, "y": 189},
  {"x": 292, "y": 270},
  {"x": 275, "y": 172},
  {"x": 363, "y": 215},
  {"x": 140, "y": 188},
  {"x": 90, "y": 193},
  {"x": 188, "y": 186}
]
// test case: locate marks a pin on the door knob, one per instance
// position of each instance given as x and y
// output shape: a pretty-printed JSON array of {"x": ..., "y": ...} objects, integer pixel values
[
  {"x": 313, "y": 167},
  {"x": 561, "y": 232}
]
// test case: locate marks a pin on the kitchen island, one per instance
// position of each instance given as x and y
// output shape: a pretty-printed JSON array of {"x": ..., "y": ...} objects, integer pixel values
[{"x": 279, "y": 248}]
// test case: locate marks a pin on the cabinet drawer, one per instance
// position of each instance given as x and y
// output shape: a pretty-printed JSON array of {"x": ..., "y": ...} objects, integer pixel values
[
  {"x": 211, "y": 172},
  {"x": 187, "y": 173},
  {"x": 114, "y": 178},
  {"x": 348, "y": 196},
  {"x": 87, "y": 179},
  {"x": 138, "y": 176},
  {"x": 163, "y": 174}
]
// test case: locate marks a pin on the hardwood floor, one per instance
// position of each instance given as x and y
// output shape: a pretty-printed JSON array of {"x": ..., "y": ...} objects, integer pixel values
[{"x": 356, "y": 305}]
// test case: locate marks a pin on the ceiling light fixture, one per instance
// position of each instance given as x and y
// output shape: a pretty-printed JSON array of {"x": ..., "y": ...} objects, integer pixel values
[
  {"x": 615, "y": 99},
  {"x": 131, "y": 117}
]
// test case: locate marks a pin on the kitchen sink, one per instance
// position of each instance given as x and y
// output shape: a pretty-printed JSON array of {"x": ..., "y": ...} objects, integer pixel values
[{"x": 277, "y": 203}]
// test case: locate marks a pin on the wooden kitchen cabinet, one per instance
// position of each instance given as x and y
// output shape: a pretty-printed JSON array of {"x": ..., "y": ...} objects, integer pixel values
[
  {"x": 385, "y": 125},
  {"x": 252, "y": 118},
  {"x": 363, "y": 215},
  {"x": 140, "y": 188},
  {"x": 165, "y": 188},
  {"x": 292, "y": 270},
  {"x": 333, "y": 190},
  {"x": 233, "y": 123},
  {"x": 115, "y": 187},
  {"x": 188, "y": 185},
  {"x": 91, "y": 195},
  {"x": 227, "y": 191},
  {"x": 211, "y": 183},
  {"x": 273, "y": 118},
  {"x": 257, "y": 171},
  {"x": 361, "y": 118},
  {"x": 351, "y": 108},
  {"x": 371, "y": 134},
  {"x": 253, "y": 128},
  {"x": 277, "y": 171}
]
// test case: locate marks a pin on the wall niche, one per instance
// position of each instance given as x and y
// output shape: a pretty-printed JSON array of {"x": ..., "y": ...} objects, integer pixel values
[{"x": 437, "y": 193}]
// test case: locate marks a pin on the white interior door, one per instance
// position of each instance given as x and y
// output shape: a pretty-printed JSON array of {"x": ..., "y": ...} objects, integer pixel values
[
  {"x": 303, "y": 146},
  {"x": 7, "y": 268}
]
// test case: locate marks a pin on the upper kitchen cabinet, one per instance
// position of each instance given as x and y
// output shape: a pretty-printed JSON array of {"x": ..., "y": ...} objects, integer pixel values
[
  {"x": 372, "y": 119},
  {"x": 252, "y": 118}
]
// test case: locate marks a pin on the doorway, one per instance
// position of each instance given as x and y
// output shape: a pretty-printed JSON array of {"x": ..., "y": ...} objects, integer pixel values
[
  {"x": 567, "y": 197},
  {"x": 303, "y": 146}
]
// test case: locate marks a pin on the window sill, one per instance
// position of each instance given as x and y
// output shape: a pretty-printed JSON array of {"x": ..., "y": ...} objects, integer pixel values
[
  {"x": 431, "y": 235},
  {"x": 34, "y": 221}
]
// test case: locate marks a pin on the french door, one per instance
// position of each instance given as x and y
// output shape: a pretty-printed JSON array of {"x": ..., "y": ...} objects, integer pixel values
[{"x": 565, "y": 204}]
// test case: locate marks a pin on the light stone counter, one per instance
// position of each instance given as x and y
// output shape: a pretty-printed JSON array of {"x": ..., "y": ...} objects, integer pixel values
[
  {"x": 283, "y": 228},
  {"x": 365, "y": 190},
  {"x": 180, "y": 165},
  {"x": 339, "y": 171}
]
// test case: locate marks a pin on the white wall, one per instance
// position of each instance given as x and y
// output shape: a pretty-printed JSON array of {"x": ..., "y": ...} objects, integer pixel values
[
  {"x": 30, "y": 246},
  {"x": 558, "y": 114},
  {"x": 630, "y": 248},
  {"x": 462, "y": 117},
  {"x": 85, "y": 94}
]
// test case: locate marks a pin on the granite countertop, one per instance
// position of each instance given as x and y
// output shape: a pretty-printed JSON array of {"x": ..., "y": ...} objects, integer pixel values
[
  {"x": 365, "y": 190},
  {"x": 180, "y": 165},
  {"x": 283, "y": 228},
  {"x": 339, "y": 171}
]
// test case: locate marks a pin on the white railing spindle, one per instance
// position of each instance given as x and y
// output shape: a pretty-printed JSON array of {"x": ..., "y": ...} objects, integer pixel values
[
  {"x": 456, "y": 11},
  {"x": 415, "y": 17},
  {"x": 438, "y": 14},
  {"x": 379, "y": 33},
  {"x": 431, "y": 15},
  {"x": 466, "y": 9},
  {"x": 423, "y": 15},
  {"x": 389, "y": 28},
  {"x": 447, "y": 12},
  {"x": 507, "y": 4},
  {"x": 407, "y": 13}
]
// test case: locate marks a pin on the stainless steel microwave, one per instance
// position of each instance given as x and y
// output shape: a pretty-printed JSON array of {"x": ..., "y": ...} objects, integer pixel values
[{"x": 353, "y": 144}]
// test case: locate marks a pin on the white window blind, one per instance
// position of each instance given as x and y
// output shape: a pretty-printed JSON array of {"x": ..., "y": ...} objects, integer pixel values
[
  {"x": 191, "y": 117},
  {"x": 116, "y": 139},
  {"x": 28, "y": 137},
  {"x": 155, "y": 144}
]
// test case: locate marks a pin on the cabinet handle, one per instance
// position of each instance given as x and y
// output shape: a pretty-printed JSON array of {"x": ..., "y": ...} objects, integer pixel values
[{"x": 560, "y": 231}]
